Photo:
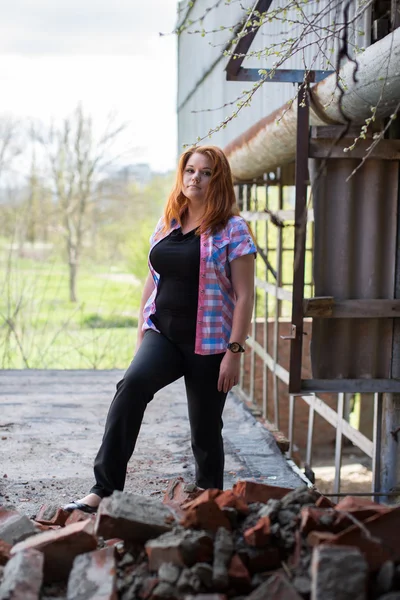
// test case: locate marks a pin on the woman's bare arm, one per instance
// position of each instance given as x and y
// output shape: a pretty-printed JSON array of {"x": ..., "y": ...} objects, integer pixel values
[{"x": 242, "y": 273}]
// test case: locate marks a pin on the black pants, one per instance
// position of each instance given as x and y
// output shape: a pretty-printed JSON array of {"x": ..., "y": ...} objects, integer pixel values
[{"x": 157, "y": 363}]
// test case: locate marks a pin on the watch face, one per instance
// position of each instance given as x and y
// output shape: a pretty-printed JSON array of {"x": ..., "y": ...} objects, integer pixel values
[{"x": 234, "y": 347}]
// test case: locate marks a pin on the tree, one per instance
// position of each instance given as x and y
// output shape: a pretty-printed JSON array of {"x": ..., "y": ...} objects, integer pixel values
[
  {"x": 78, "y": 159},
  {"x": 10, "y": 143}
]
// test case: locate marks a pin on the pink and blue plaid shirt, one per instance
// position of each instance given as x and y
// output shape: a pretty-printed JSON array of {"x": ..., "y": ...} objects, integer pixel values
[{"x": 216, "y": 300}]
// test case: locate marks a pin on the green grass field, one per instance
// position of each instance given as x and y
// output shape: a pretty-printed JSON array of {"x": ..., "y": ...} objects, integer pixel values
[{"x": 41, "y": 329}]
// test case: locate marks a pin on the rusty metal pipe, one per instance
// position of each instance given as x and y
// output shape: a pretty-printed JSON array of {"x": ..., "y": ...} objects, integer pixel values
[{"x": 271, "y": 142}]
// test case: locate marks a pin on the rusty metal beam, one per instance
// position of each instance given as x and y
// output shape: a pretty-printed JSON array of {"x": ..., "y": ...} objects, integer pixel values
[
  {"x": 296, "y": 345},
  {"x": 244, "y": 43}
]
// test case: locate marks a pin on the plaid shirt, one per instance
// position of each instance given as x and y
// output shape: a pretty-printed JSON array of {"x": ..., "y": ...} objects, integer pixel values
[{"x": 216, "y": 300}]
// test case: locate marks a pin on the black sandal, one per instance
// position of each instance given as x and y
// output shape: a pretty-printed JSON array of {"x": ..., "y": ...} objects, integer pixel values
[{"x": 80, "y": 506}]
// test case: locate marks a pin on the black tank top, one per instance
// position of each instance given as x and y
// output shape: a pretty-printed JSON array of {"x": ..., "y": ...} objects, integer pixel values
[{"x": 177, "y": 260}]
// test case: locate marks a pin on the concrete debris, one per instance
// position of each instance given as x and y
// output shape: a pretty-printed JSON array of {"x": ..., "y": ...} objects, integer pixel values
[
  {"x": 15, "y": 527},
  {"x": 180, "y": 547},
  {"x": 338, "y": 574},
  {"x": 94, "y": 576},
  {"x": 252, "y": 542},
  {"x": 223, "y": 550},
  {"x": 132, "y": 517},
  {"x": 23, "y": 576}
]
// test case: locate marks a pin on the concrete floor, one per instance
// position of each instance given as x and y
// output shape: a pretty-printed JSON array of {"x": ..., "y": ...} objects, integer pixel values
[{"x": 51, "y": 424}]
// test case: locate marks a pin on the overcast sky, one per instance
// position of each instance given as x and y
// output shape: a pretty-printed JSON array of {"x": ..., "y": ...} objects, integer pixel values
[{"x": 106, "y": 54}]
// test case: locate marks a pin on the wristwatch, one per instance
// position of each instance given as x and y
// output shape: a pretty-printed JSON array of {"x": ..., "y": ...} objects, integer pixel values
[{"x": 235, "y": 347}]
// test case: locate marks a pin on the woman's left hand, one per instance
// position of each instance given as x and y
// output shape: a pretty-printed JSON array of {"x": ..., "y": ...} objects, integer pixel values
[{"x": 229, "y": 372}]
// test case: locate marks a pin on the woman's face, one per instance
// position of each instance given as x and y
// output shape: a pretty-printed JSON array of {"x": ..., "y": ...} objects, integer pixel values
[{"x": 196, "y": 177}]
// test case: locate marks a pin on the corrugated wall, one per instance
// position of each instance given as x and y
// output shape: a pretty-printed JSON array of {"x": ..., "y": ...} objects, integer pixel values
[
  {"x": 355, "y": 250},
  {"x": 201, "y": 87}
]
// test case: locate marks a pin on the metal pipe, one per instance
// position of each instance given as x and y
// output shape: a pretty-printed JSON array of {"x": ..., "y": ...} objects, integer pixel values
[{"x": 271, "y": 142}]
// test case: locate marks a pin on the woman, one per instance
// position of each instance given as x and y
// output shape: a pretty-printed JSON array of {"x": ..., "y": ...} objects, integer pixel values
[{"x": 195, "y": 315}]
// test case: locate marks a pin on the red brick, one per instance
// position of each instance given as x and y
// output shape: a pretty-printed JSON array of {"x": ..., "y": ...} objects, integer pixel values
[
  {"x": 315, "y": 538},
  {"x": 78, "y": 515},
  {"x": 384, "y": 543},
  {"x": 205, "y": 496},
  {"x": 5, "y": 550},
  {"x": 205, "y": 515},
  {"x": 258, "y": 560},
  {"x": 61, "y": 547},
  {"x": 251, "y": 491},
  {"x": 324, "y": 502},
  {"x": 238, "y": 574},
  {"x": 310, "y": 519},
  {"x": 259, "y": 535},
  {"x": 277, "y": 587},
  {"x": 229, "y": 500},
  {"x": 113, "y": 542},
  {"x": 94, "y": 576},
  {"x": 360, "y": 508},
  {"x": 52, "y": 515},
  {"x": 41, "y": 527},
  {"x": 179, "y": 493},
  {"x": 23, "y": 576}
]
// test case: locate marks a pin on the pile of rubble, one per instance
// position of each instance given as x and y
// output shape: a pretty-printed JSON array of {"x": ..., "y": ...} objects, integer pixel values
[{"x": 255, "y": 541}]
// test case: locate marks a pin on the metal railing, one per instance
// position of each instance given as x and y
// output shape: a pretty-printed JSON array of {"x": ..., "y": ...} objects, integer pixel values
[{"x": 267, "y": 207}]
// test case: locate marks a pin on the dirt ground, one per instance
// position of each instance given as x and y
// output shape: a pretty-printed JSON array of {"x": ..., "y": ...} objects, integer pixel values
[{"x": 51, "y": 423}]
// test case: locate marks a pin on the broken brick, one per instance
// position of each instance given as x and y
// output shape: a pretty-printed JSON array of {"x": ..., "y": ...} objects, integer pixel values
[
  {"x": 251, "y": 491},
  {"x": 5, "y": 550},
  {"x": 78, "y": 515},
  {"x": 15, "y": 527},
  {"x": 258, "y": 560},
  {"x": 238, "y": 575},
  {"x": 41, "y": 527},
  {"x": 93, "y": 576},
  {"x": 204, "y": 497},
  {"x": 310, "y": 519},
  {"x": 52, "y": 515},
  {"x": 315, "y": 538},
  {"x": 182, "y": 548},
  {"x": 205, "y": 515},
  {"x": 179, "y": 493},
  {"x": 60, "y": 548},
  {"x": 361, "y": 508},
  {"x": 23, "y": 576},
  {"x": 324, "y": 502},
  {"x": 277, "y": 587},
  {"x": 338, "y": 573},
  {"x": 259, "y": 535},
  {"x": 228, "y": 499},
  {"x": 377, "y": 537},
  {"x": 132, "y": 517}
]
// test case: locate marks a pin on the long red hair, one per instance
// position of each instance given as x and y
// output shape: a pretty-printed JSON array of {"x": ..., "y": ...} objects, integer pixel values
[{"x": 220, "y": 198}]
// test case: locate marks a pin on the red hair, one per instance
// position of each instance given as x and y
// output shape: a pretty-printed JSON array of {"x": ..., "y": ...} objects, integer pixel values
[{"x": 220, "y": 198}]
